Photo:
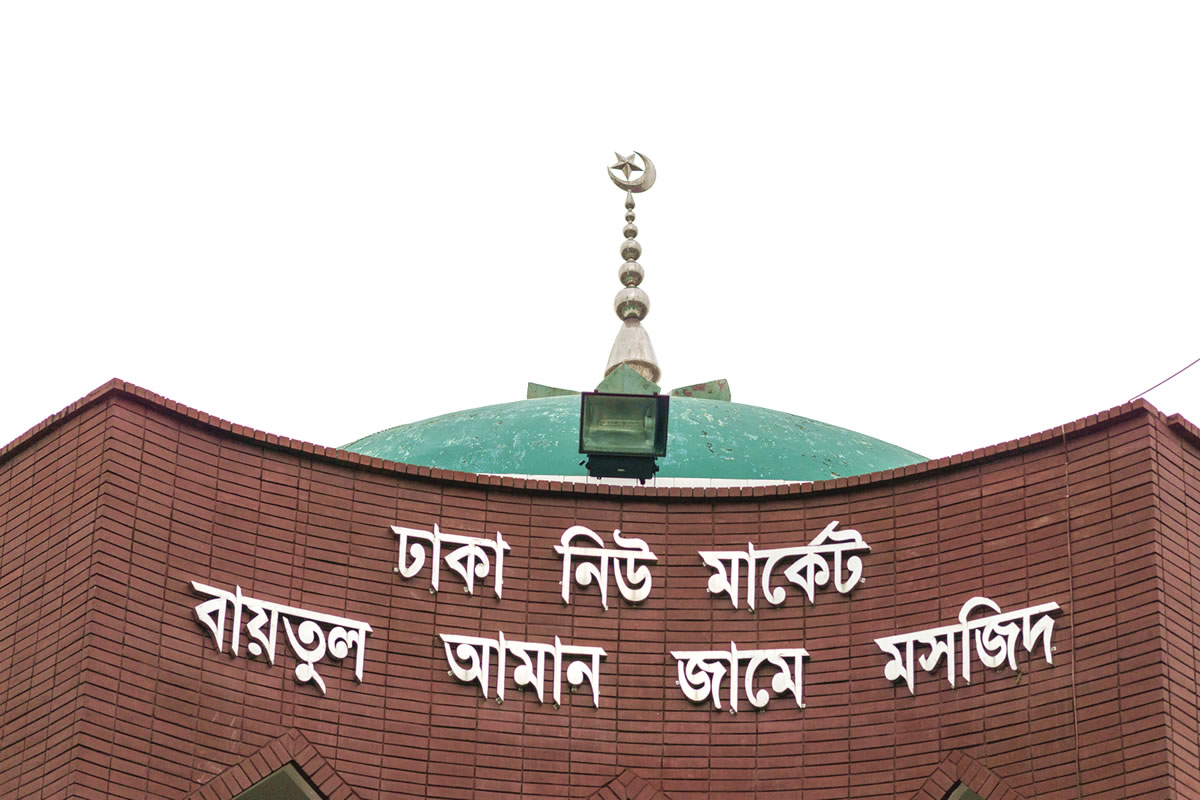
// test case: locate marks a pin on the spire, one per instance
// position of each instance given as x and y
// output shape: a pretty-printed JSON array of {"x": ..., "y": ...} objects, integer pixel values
[{"x": 632, "y": 304}]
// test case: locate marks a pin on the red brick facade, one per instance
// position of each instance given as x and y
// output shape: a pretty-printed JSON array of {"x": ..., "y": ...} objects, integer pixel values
[{"x": 109, "y": 686}]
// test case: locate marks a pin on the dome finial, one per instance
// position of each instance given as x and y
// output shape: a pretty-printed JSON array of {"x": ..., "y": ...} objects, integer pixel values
[{"x": 632, "y": 304}]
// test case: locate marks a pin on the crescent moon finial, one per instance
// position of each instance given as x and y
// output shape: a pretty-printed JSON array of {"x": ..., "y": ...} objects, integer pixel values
[
  {"x": 626, "y": 165},
  {"x": 632, "y": 346}
]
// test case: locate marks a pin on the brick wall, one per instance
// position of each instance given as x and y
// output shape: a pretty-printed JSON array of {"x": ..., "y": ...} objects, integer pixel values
[
  {"x": 49, "y": 500},
  {"x": 115, "y": 690},
  {"x": 1177, "y": 482}
]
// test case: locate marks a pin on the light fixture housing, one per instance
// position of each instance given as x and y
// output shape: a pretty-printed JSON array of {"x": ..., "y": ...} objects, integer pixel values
[{"x": 623, "y": 434}]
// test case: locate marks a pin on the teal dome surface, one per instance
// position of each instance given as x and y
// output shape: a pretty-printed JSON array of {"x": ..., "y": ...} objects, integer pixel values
[{"x": 705, "y": 439}]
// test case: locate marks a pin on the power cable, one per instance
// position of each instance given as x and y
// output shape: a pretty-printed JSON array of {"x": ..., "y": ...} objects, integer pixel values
[{"x": 1164, "y": 380}]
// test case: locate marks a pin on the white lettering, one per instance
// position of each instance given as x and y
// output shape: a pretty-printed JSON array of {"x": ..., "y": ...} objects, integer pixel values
[
  {"x": 809, "y": 569},
  {"x": 633, "y": 582},
  {"x": 995, "y": 641},
  {"x": 315, "y": 635}
]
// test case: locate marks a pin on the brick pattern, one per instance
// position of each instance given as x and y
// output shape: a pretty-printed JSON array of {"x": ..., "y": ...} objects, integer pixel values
[
  {"x": 959, "y": 767},
  {"x": 111, "y": 508},
  {"x": 291, "y": 748},
  {"x": 48, "y": 506},
  {"x": 1178, "y": 485},
  {"x": 628, "y": 786}
]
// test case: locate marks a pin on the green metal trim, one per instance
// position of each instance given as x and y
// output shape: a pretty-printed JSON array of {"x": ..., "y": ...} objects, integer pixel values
[{"x": 626, "y": 380}]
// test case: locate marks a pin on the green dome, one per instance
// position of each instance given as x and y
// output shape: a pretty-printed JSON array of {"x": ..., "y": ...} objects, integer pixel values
[{"x": 705, "y": 439}]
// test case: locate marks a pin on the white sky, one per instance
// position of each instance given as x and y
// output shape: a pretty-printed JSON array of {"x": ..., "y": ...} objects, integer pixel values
[{"x": 942, "y": 224}]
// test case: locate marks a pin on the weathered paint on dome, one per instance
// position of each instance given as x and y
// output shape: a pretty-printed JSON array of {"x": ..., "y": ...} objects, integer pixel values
[{"x": 706, "y": 439}]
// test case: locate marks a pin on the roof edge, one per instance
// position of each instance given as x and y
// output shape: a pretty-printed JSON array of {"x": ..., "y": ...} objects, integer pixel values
[
  {"x": 89, "y": 399},
  {"x": 1184, "y": 428},
  {"x": 116, "y": 386}
]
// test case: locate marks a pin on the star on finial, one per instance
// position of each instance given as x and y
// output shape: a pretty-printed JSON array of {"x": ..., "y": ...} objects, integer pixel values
[{"x": 625, "y": 164}]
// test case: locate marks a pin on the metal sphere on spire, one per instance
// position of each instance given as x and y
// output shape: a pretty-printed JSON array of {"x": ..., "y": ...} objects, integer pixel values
[{"x": 631, "y": 273}]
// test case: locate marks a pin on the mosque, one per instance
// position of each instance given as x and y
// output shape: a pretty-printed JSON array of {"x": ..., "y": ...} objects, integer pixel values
[{"x": 731, "y": 602}]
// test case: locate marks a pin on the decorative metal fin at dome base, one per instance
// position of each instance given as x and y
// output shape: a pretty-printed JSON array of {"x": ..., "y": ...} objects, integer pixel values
[
  {"x": 709, "y": 390},
  {"x": 537, "y": 390}
]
